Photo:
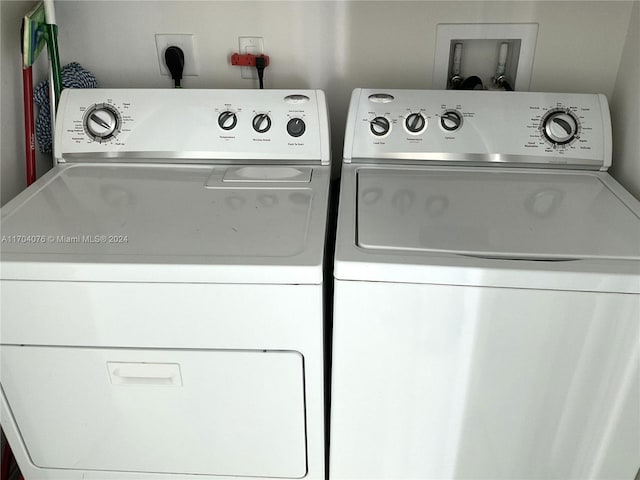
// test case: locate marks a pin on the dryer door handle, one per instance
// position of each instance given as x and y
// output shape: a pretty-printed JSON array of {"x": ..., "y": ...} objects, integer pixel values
[{"x": 143, "y": 373}]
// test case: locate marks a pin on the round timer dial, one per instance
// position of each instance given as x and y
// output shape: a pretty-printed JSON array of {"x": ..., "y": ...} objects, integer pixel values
[
  {"x": 560, "y": 127},
  {"x": 102, "y": 122}
]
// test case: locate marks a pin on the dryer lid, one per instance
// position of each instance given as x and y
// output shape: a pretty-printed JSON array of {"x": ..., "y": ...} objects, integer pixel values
[
  {"x": 494, "y": 214},
  {"x": 168, "y": 223}
]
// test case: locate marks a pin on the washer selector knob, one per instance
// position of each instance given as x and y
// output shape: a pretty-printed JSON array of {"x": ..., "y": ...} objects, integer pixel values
[
  {"x": 451, "y": 120},
  {"x": 380, "y": 126},
  {"x": 102, "y": 122},
  {"x": 415, "y": 123},
  {"x": 296, "y": 127},
  {"x": 560, "y": 127},
  {"x": 227, "y": 120},
  {"x": 261, "y": 123}
]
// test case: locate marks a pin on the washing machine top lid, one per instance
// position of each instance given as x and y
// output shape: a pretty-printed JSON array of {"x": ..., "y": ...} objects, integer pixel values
[
  {"x": 169, "y": 223},
  {"x": 494, "y": 214}
]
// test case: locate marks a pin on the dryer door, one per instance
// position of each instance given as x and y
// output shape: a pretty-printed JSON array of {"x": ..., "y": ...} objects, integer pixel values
[{"x": 236, "y": 413}]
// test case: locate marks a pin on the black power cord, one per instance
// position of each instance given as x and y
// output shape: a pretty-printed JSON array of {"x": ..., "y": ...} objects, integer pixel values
[
  {"x": 261, "y": 63},
  {"x": 174, "y": 58}
]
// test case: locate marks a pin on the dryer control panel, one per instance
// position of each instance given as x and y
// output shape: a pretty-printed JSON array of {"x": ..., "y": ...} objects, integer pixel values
[
  {"x": 479, "y": 127},
  {"x": 192, "y": 125}
]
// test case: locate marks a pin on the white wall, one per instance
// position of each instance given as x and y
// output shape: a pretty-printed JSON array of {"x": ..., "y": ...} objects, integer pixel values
[
  {"x": 625, "y": 108},
  {"x": 332, "y": 45}
]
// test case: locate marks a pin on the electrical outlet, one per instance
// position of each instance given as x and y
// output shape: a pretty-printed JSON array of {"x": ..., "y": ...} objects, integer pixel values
[
  {"x": 187, "y": 42},
  {"x": 480, "y": 50},
  {"x": 254, "y": 46}
]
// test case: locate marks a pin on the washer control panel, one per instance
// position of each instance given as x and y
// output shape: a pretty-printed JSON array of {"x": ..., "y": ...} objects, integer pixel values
[
  {"x": 478, "y": 127},
  {"x": 192, "y": 125}
]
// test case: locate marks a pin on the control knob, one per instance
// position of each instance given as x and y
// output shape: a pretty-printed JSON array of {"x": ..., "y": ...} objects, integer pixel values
[
  {"x": 227, "y": 120},
  {"x": 380, "y": 126},
  {"x": 261, "y": 123},
  {"x": 296, "y": 127},
  {"x": 560, "y": 127},
  {"x": 415, "y": 123},
  {"x": 451, "y": 120},
  {"x": 102, "y": 122}
]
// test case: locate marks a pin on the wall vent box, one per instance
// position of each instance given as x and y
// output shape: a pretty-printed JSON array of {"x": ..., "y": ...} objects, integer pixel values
[{"x": 480, "y": 49}]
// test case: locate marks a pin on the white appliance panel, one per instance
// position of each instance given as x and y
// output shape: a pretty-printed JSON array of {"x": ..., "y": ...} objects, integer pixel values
[
  {"x": 99, "y": 221},
  {"x": 435, "y": 382},
  {"x": 227, "y": 412},
  {"x": 160, "y": 211},
  {"x": 355, "y": 262},
  {"x": 184, "y": 125},
  {"x": 495, "y": 127},
  {"x": 496, "y": 214},
  {"x": 147, "y": 315}
]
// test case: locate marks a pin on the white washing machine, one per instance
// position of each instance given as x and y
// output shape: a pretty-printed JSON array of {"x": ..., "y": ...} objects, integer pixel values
[
  {"x": 162, "y": 289},
  {"x": 487, "y": 291}
]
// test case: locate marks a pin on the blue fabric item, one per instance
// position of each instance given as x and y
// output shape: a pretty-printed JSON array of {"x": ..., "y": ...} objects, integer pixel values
[{"x": 73, "y": 76}]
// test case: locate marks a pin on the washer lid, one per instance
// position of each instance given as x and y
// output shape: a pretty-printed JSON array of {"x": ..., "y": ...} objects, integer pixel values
[
  {"x": 489, "y": 214},
  {"x": 166, "y": 223}
]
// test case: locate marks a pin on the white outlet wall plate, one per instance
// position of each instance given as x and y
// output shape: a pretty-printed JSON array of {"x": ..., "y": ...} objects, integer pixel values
[
  {"x": 254, "y": 46},
  {"x": 187, "y": 42},
  {"x": 527, "y": 33}
]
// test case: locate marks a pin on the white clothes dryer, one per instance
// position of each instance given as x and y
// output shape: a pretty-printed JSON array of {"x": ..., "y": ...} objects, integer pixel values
[
  {"x": 162, "y": 289},
  {"x": 487, "y": 291}
]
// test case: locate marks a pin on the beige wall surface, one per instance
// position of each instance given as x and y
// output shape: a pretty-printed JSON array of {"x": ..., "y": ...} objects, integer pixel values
[{"x": 332, "y": 45}]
